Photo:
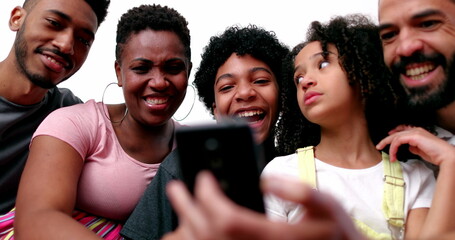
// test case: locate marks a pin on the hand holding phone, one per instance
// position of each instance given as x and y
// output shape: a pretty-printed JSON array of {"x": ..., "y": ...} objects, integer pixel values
[{"x": 227, "y": 150}]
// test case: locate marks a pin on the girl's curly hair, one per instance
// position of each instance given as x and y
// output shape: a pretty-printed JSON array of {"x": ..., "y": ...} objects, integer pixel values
[{"x": 360, "y": 55}]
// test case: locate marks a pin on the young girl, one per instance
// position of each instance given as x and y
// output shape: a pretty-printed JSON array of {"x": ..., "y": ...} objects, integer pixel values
[{"x": 342, "y": 88}]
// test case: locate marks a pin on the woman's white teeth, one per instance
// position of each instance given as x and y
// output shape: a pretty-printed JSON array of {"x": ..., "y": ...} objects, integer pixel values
[
  {"x": 156, "y": 100},
  {"x": 250, "y": 113}
]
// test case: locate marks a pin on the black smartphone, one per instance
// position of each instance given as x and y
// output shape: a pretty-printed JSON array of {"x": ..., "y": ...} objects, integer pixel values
[{"x": 227, "y": 150}]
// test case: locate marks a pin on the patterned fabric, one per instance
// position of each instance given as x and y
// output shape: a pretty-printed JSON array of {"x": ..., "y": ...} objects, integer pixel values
[
  {"x": 104, "y": 228},
  {"x": 6, "y": 225}
]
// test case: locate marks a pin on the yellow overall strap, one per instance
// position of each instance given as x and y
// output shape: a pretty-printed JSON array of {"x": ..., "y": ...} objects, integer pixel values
[
  {"x": 393, "y": 202},
  {"x": 307, "y": 168},
  {"x": 393, "y": 197}
]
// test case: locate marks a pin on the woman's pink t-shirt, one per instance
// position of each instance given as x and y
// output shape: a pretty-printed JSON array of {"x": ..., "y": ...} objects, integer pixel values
[{"x": 111, "y": 182}]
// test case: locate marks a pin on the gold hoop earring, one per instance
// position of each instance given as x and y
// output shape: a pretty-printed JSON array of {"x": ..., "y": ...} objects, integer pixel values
[
  {"x": 107, "y": 115},
  {"x": 192, "y": 105}
]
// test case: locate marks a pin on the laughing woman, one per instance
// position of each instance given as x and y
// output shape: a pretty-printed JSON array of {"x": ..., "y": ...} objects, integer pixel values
[{"x": 97, "y": 159}]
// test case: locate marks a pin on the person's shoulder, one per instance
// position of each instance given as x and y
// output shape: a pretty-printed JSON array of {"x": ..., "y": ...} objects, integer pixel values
[
  {"x": 416, "y": 167},
  {"x": 64, "y": 96},
  {"x": 282, "y": 163},
  {"x": 87, "y": 108},
  {"x": 413, "y": 163}
]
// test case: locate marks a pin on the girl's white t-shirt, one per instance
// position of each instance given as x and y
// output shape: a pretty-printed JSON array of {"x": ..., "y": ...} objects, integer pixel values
[{"x": 359, "y": 191}]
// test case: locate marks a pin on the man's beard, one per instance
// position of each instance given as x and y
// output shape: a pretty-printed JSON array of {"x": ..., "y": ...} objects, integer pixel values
[
  {"x": 429, "y": 98},
  {"x": 20, "y": 46}
]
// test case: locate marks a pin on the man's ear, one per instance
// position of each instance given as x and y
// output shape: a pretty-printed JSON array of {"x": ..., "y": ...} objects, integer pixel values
[{"x": 16, "y": 19}]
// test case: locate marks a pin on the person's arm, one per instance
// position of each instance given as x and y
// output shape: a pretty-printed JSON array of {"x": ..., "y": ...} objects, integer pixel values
[
  {"x": 47, "y": 192},
  {"x": 211, "y": 215},
  {"x": 441, "y": 216}
]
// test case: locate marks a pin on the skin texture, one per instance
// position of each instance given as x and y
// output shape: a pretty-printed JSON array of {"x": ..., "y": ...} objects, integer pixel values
[
  {"x": 323, "y": 93},
  {"x": 418, "y": 40},
  {"x": 322, "y": 87},
  {"x": 255, "y": 47},
  {"x": 412, "y": 32},
  {"x": 245, "y": 86},
  {"x": 52, "y": 43},
  {"x": 438, "y": 152},
  {"x": 153, "y": 73}
]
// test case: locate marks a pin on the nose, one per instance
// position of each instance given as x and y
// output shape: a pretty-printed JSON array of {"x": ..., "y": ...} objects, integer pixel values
[
  {"x": 408, "y": 43},
  {"x": 307, "y": 82},
  {"x": 245, "y": 91},
  {"x": 157, "y": 80},
  {"x": 64, "y": 41}
]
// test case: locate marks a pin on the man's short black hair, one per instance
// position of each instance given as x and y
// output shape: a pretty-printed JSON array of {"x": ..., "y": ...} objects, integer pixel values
[{"x": 98, "y": 6}]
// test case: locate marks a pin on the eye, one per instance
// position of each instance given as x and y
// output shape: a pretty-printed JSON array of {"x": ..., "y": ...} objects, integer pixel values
[
  {"x": 140, "y": 69},
  {"x": 174, "y": 68},
  {"x": 429, "y": 24},
  {"x": 298, "y": 80},
  {"x": 262, "y": 81},
  {"x": 85, "y": 41},
  {"x": 387, "y": 35},
  {"x": 225, "y": 88},
  {"x": 54, "y": 23},
  {"x": 323, "y": 64}
]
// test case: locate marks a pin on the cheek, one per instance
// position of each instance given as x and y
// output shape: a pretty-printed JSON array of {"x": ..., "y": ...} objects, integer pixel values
[
  {"x": 222, "y": 103},
  {"x": 181, "y": 84},
  {"x": 79, "y": 60},
  {"x": 388, "y": 55},
  {"x": 131, "y": 82},
  {"x": 300, "y": 98},
  {"x": 300, "y": 94},
  {"x": 272, "y": 100}
]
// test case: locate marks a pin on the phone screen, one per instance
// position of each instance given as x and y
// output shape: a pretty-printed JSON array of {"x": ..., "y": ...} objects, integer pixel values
[{"x": 230, "y": 153}]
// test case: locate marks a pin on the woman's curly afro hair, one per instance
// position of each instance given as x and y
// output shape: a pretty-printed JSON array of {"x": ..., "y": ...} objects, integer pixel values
[{"x": 153, "y": 17}]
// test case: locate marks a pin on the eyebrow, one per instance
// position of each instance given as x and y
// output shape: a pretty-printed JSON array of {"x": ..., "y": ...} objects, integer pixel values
[
  {"x": 315, "y": 55},
  {"x": 419, "y": 15},
  {"x": 70, "y": 19},
  {"x": 140, "y": 59},
  {"x": 255, "y": 69}
]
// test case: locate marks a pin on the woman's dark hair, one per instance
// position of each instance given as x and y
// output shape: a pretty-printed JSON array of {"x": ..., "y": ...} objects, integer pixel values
[
  {"x": 251, "y": 40},
  {"x": 153, "y": 17},
  {"x": 360, "y": 55}
]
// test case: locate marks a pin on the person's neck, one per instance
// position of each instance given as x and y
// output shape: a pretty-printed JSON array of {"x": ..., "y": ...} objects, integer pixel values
[
  {"x": 347, "y": 147},
  {"x": 145, "y": 144},
  {"x": 16, "y": 87},
  {"x": 446, "y": 117}
]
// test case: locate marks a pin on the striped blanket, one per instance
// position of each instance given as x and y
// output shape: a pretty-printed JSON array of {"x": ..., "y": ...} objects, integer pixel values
[{"x": 106, "y": 229}]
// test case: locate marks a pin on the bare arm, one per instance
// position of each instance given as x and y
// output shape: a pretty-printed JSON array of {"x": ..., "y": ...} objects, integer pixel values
[
  {"x": 47, "y": 192},
  {"x": 441, "y": 216}
]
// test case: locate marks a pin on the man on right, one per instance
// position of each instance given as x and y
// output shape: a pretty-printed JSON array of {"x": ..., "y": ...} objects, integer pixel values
[
  {"x": 419, "y": 47},
  {"x": 418, "y": 39}
]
